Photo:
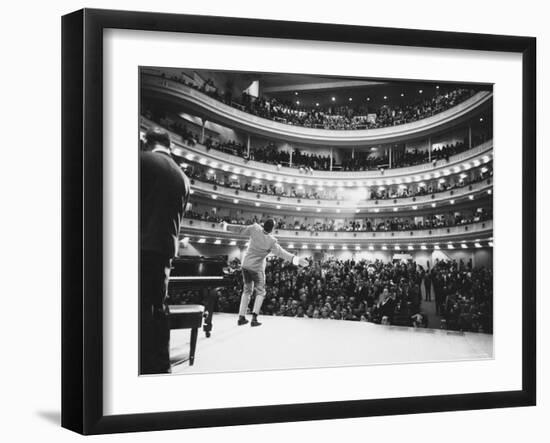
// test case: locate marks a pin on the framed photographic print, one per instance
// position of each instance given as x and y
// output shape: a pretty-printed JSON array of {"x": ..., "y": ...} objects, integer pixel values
[{"x": 270, "y": 221}]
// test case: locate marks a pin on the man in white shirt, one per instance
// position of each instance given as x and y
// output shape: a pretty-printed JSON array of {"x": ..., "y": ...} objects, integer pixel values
[{"x": 260, "y": 245}]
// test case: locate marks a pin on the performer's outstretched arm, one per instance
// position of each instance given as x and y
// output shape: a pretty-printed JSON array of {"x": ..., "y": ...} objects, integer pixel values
[
  {"x": 279, "y": 251},
  {"x": 239, "y": 229}
]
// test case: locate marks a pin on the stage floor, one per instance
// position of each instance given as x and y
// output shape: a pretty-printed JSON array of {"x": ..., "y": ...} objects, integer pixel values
[{"x": 291, "y": 343}]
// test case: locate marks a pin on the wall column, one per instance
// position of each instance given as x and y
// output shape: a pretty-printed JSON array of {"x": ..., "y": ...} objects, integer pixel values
[
  {"x": 203, "y": 130},
  {"x": 429, "y": 149},
  {"x": 331, "y": 157},
  {"x": 248, "y": 145},
  {"x": 290, "y": 161},
  {"x": 390, "y": 151},
  {"x": 470, "y": 136}
]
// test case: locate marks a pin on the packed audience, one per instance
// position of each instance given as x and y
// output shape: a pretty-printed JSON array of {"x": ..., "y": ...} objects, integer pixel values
[
  {"x": 334, "y": 117},
  {"x": 365, "y": 161},
  {"x": 205, "y": 174},
  {"x": 368, "y": 291},
  {"x": 432, "y": 221},
  {"x": 308, "y": 162}
]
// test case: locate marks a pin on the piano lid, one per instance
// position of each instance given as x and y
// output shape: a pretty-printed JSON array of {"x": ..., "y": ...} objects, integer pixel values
[{"x": 197, "y": 266}]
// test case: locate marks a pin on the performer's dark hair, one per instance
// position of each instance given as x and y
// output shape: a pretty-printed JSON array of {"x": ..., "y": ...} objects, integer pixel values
[
  {"x": 158, "y": 136},
  {"x": 268, "y": 225}
]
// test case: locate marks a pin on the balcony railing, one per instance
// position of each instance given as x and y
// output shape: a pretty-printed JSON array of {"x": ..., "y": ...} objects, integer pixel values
[
  {"x": 482, "y": 153},
  {"x": 196, "y": 229},
  {"x": 221, "y": 112},
  {"x": 259, "y": 200}
]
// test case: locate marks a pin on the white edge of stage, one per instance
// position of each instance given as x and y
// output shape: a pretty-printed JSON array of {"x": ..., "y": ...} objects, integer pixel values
[{"x": 302, "y": 343}]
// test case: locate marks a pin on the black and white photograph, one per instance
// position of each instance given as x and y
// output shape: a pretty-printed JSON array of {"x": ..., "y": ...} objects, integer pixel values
[
  {"x": 296, "y": 221},
  {"x": 275, "y": 221}
]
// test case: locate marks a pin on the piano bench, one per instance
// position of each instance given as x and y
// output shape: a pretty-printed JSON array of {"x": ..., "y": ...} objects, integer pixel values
[{"x": 187, "y": 317}]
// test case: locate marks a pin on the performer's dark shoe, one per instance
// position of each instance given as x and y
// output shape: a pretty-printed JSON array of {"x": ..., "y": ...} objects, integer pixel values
[
  {"x": 255, "y": 322},
  {"x": 242, "y": 321}
]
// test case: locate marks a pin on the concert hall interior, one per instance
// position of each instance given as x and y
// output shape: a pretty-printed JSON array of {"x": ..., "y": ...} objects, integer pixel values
[{"x": 384, "y": 186}]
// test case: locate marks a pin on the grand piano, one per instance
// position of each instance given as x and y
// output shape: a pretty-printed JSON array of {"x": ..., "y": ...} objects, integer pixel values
[{"x": 205, "y": 275}]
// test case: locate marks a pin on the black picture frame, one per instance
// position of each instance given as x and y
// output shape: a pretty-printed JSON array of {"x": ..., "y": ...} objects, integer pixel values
[{"x": 82, "y": 219}]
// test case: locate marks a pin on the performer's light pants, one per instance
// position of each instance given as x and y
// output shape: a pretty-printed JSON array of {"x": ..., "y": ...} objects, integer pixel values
[{"x": 252, "y": 281}]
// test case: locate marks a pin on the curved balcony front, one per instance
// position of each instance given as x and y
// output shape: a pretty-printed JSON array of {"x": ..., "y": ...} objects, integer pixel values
[
  {"x": 456, "y": 235},
  {"x": 482, "y": 153},
  {"x": 219, "y": 112},
  {"x": 224, "y": 195}
]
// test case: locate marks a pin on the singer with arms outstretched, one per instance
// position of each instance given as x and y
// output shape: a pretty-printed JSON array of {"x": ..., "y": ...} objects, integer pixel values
[{"x": 261, "y": 244}]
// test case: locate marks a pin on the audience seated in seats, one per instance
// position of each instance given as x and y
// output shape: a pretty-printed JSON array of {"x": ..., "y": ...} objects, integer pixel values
[
  {"x": 432, "y": 221},
  {"x": 368, "y": 291},
  {"x": 207, "y": 175},
  {"x": 333, "y": 117}
]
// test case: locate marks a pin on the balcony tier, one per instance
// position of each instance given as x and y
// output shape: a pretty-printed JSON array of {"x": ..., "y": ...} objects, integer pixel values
[
  {"x": 206, "y": 106},
  {"x": 224, "y": 195},
  {"x": 469, "y": 233},
  {"x": 211, "y": 157}
]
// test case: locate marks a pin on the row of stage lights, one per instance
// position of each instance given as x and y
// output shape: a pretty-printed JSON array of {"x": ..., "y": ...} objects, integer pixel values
[
  {"x": 235, "y": 170},
  {"x": 279, "y": 183},
  {"x": 436, "y": 246},
  {"x": 368, "y": 99},
  {"x": 236, "y": 201}
]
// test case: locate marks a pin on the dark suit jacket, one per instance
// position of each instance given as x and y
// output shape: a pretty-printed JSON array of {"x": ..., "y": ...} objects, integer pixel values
[
  {"x": 387, "y": 308},
  {"x": 164, "y": 190}
]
